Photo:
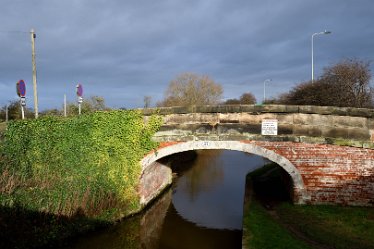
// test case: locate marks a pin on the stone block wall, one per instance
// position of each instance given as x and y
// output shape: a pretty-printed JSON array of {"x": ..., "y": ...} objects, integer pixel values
[{"x": 186, "y": 123}]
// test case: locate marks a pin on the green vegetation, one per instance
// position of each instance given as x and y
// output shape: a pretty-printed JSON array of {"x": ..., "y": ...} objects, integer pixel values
[
  {"x": 2, "y": 128},
  {"x": 284, "y": 225},
  {"x": 336, "y": 226},
  {"x": 331, "y": 226},
  {"x": 87, "y": 165},
  {"x": 262, "y": 231}
]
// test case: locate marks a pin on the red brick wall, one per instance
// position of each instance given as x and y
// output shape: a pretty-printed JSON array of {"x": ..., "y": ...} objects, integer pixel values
[{"x": 331, "y": 173}]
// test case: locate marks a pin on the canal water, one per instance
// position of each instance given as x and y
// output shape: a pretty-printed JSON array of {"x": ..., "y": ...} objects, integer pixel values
[{"x": 203, "y": 209}]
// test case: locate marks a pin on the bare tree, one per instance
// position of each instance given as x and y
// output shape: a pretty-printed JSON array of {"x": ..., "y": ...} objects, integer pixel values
[
  {"x": 232, "y": 102},
  {"x": 245, "y": 99},
  {"x": 349, "y": 81},
  {"x": 92, "y": 104},
  {"x": 345, "y": 84},
  {"x": 14, "y": 111},
  {"x": 192, "y": 89},
  {"x": 147, "y": 101}
]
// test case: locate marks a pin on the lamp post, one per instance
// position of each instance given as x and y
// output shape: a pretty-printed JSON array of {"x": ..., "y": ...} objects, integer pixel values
[
  {"x": 319, "y": 33},
  {"x": 267, "y": 80}
]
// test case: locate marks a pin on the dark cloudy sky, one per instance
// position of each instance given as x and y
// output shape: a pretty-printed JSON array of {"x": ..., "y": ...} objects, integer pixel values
[{"x": 126, "y": 49}]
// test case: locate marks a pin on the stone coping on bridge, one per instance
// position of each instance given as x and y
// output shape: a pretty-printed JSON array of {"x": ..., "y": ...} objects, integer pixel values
[
  {"x": 316, "y": 124},
  {"x": 254, "y": 137},
  {"x": 306, "y": 109}
]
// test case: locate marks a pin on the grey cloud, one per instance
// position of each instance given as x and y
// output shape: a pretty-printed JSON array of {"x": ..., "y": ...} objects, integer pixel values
[{"x": 124, "y": 50}]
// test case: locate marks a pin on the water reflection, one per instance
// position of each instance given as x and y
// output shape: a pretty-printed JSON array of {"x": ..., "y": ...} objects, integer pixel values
[
  {"x": 141, "y": 231},
  {"x": 203, "y": 209},
  {"x": 200, "y": 176},
  {"x": 211, "y": 193},
  {"x": 182, "y": 234}
]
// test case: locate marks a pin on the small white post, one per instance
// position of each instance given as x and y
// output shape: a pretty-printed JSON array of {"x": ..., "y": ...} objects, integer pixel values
[
  {"x": 6, "y": 113},
  {"x": 65, "y": 105},
  {"x": 79, "y": 108},
  {"x": 23, "y": 104},
  {"x": 23, "y": 112}
]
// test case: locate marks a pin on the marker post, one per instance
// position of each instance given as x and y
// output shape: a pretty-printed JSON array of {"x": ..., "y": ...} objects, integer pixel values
[
  {"x": 23, "y": 104},
  {"x": 80, "y": 98},
  {"x": 21, "y": 92}
]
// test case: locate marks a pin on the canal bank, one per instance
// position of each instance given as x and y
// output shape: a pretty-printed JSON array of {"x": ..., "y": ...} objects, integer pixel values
[
  {"x": 204, "y": 209},
  {"x": 276, "y": 223}
]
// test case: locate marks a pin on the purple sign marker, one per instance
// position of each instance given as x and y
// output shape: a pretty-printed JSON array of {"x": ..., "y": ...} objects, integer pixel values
[
  {"x": 79, "y": 90},
  {"x": 21, "y": 88}
]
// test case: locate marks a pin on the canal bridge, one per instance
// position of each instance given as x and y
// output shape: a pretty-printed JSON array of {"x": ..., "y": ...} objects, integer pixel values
[{"x": 327, "y": 151}]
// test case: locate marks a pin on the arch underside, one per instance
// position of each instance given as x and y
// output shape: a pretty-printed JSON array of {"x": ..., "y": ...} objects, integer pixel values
[{"x": 300, "y": 195}]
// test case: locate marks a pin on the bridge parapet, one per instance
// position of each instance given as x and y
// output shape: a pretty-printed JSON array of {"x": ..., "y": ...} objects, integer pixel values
[
  {"x": 323, "y": 110},
  {"x": 311, "y": 124},
  {"x": 306, "y": 147}
]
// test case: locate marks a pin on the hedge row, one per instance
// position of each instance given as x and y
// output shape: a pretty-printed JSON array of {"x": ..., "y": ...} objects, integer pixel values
[{"x": 88, "y": 164}]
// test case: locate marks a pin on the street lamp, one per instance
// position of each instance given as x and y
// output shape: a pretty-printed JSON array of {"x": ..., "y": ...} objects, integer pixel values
[
  {"x": 267, "y": 80},
  {"x": 319, "y": 33}
]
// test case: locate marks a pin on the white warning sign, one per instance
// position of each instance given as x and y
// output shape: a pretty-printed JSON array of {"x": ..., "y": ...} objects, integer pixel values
[{"x": 269, "y": 127}]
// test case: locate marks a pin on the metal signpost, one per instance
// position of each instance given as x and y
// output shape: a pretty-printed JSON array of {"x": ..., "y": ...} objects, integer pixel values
[
  {"x": 80, "y": 98},
  {"x": 21, "y": 92}
]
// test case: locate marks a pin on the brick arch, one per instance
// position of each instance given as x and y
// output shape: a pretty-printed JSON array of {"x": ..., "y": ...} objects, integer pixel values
[{"x": 150, "y": 166}]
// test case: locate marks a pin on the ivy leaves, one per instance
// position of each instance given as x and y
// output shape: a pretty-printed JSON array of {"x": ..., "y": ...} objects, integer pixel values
[{"x": 90, "y": 162}]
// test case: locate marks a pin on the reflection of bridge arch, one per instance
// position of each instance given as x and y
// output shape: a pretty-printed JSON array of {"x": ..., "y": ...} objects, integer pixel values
[{"x": 156, "y": 176}]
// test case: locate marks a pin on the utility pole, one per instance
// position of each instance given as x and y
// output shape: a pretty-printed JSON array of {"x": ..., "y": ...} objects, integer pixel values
[{"x": 32, "y": 32}]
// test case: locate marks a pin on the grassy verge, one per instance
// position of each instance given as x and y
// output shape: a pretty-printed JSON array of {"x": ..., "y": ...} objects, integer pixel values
[
  {"x": 335, "y": 226},
  {"x": 262, "y": 231},
  {"x": 290, "y": 226},
  {"x": 2, "y": 129}
]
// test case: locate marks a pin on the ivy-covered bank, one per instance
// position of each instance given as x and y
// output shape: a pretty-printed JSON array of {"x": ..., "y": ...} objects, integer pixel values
[{"x": 87, "y": 165}]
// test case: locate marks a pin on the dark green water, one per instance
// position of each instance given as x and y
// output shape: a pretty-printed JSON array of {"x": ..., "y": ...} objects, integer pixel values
[{"x": 202, "y": 210}]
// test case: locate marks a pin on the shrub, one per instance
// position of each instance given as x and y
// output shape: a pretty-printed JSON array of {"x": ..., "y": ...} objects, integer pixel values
[{"x": 88, "y": 164}]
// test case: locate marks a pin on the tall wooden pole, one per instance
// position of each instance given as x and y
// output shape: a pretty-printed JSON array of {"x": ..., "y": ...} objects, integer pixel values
[{"x": 32, "y": 32}]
